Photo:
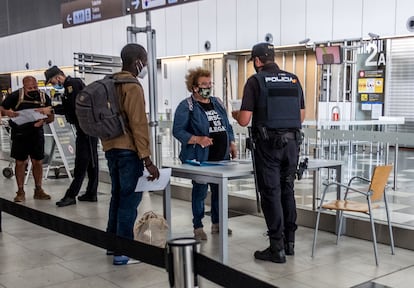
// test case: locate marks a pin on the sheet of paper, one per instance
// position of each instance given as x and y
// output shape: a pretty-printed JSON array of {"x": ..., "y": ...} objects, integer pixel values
[
  {"x": 222, "y": 163},
  {"x": 376, "y": 111},
  {"x": 26, "y": 116},
  {"x": 211, "y": 163},
  {"x": 145, "y": 185}
]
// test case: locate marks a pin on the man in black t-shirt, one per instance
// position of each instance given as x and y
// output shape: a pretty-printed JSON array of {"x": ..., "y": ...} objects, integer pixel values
[{"x": 27, "y": 139}]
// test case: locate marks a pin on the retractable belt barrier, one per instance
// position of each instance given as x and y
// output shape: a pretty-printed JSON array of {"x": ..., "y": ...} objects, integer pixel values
[{"x": 203, "y": 266}]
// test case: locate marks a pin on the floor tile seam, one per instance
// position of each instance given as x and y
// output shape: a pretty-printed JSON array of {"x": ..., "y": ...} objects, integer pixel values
[
  {"x": 289, "y": 274},
  {"x": 263, "y": 275},
  {"x": 393, "y": 272},
  {"x": 383, "y": 276},
  {"x": 293, "y": 277}
]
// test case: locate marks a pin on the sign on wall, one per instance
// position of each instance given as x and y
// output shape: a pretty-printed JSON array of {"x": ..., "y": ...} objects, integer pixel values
[
  {"x": 87, "y": 11},
  {"x": 146, "y": 5},
  {"x": 371, "y": 81}
]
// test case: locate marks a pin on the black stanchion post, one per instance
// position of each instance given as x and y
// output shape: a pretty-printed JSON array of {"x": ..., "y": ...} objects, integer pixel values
[{"x": 180, "y": 266}]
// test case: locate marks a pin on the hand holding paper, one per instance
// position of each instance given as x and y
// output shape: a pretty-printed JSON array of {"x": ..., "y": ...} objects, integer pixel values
[
  {"x": 27, "y": 115},
  {"x": 145, "y": 184}
]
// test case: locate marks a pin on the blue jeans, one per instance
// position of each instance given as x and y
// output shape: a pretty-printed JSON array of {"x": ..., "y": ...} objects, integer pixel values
[
  {"x": 199, "y": 194},
  {"x": 125, "y": 168}
]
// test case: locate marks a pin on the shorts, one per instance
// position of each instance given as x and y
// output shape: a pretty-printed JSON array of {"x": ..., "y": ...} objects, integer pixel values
[{"x": 28, "y": 143}]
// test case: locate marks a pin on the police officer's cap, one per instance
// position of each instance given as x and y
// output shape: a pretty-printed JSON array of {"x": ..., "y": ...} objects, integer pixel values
[
  {"x": 263, "y": 49},
  {"x": 52, "y": 72}
]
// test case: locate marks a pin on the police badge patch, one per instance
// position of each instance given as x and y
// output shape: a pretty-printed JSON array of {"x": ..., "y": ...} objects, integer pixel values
[{"x": 70, "y": 89}]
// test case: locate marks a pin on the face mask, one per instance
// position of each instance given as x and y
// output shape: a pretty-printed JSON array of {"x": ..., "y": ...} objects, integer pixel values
[
  {"x": 204, "y": 92},
  {"x": 33, "y": 94},
  {"x": 58, "y": 86},
  {"x": 256, "y": 68},
  {"x": 143, "y": 72}
]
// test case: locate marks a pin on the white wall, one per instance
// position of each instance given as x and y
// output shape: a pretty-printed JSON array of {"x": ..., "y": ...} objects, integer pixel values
[{"x": 227, "y": 24}]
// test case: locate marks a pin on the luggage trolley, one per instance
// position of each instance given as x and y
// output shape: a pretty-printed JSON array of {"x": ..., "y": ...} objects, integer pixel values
[
  {"x": 5, "y": 134},
  {"x": 49, "y": 161},
  {"x": 5, "y": 131}
]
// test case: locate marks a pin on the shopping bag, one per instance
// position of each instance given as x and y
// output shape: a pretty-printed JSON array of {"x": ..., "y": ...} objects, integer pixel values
[{"x": 151, "y": 229}]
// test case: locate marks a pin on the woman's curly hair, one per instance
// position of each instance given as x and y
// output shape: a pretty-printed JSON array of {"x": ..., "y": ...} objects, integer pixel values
[{"x": 191, "y": 79}]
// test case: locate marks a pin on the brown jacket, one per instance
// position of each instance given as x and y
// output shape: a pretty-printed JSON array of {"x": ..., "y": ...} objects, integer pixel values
[{"x": 132, "y": 103}]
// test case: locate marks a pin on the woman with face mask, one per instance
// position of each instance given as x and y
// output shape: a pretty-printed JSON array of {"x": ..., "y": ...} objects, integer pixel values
[{"x": 203, "y": 128}]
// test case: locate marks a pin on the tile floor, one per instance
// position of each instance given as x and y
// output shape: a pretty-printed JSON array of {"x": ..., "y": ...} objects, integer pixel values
[{"x": 31, "y": 256}]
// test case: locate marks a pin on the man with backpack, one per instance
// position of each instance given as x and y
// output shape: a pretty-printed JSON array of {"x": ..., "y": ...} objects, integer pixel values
[
  {"x": 28, "y": 138},
  {"x": 86, "y": 157},
  {"x": 128, "y": 153}
]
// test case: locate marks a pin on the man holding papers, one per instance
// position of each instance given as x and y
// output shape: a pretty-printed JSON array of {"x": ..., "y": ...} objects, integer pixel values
[
  {"x": 27, "y": 133},
  {"x": 129, "y": 154}
]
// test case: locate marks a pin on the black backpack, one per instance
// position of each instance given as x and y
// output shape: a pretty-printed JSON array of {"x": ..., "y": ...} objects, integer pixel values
[{"x": 97, "y": 108}]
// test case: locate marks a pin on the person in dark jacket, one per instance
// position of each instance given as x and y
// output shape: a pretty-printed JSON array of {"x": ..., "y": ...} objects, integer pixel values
[
  {"x": 204, "y": 131},
  {"x": 86, "y": 157}
]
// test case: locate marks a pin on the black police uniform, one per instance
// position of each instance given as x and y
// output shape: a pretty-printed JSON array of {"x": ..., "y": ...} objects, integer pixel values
[
  {"x": 275, "y": 97},
  {"x": 86, "y": 157},
  {"x": 27, "y": 140}
]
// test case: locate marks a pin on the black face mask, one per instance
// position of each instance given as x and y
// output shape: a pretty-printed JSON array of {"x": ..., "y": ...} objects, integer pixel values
[
  {"x": 33, "y": 94},
  {"x": 257, "y": 69}
]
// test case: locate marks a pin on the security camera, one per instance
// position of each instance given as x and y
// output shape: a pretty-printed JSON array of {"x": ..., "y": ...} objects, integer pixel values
[
  {"x": 269, "y": 38},
  {"x": 304, "y": 41},
  {"x": 373, "y": 35},
  {"x": 410, "y": 24},
  {"x": 207, "y": 45}
]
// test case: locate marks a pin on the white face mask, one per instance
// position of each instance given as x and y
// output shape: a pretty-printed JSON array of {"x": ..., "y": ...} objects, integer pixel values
[{"x": 142, "y": 70}]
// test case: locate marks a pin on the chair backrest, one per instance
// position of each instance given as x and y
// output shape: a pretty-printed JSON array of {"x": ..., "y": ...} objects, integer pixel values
[{"x": 379, "y": 181}]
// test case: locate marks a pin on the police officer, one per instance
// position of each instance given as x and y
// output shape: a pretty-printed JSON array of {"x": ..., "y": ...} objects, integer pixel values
[
  {"x": 274, "y": 100},
  {"x": 86, "y": 157}
]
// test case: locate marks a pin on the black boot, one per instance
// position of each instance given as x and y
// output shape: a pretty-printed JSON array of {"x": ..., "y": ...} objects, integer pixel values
[
  {"x": 290, "y": 248},
  {"x": 274, "y": 253},
  {"x": 67, "y": 200}
]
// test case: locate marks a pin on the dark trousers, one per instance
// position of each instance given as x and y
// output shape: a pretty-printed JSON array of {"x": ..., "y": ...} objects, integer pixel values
[
  {"x": 198, "y": 195},
  {"x": 275, "y": 170},
  {"x": 86, "y": 161},
  {"x": 125, "y": 169}
]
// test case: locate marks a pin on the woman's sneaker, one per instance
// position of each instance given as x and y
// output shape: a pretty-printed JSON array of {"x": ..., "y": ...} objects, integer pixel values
[
  {"x": 199, "y": 234},
  {"x": 215, "y": 229}
]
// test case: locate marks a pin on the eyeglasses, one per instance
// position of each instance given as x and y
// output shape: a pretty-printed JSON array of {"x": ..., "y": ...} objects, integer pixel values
[{"x": 205, "y": 84}]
